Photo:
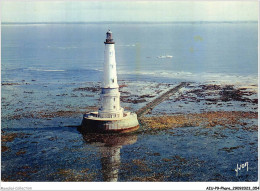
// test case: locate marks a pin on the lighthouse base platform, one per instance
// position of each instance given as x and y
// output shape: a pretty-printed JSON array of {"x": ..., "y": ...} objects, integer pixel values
[{"x": 92, "y": 123}]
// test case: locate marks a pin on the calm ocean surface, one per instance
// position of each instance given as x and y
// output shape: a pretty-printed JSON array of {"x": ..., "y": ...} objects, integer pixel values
[{"x": 74, "y": 52}]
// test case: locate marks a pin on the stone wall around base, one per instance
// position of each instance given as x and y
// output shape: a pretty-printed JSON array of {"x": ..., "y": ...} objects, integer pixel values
[{"x": 110, "y": 125}]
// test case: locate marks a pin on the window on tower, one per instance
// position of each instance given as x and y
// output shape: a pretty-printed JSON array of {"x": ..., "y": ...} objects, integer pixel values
[{"x": 113, "y": 81}]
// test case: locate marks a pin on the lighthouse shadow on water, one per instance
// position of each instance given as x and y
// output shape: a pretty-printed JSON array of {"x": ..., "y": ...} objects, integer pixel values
[
  {"x": 109, "y": 146},
  {"x": 110, "y": 117}
]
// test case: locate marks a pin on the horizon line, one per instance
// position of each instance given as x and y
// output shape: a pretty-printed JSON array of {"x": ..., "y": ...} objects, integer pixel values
[{"x": 128, "y": 22}]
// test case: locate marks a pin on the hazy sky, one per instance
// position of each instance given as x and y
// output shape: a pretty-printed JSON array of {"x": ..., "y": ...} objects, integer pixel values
[{"x": 157, "y": 11}]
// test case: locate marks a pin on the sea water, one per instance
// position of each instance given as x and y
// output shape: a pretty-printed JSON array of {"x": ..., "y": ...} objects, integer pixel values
[
  {"x": 48, "y": 61},
  {"x": 75, "y": 52}
]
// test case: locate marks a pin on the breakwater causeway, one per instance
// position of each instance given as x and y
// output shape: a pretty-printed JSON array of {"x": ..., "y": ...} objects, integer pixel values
[{"x": 160, "y": 99}]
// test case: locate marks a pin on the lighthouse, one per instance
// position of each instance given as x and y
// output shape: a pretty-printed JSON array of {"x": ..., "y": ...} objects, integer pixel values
[
  {"x": 110, "y": 96},
  {"x": 110, "y": 117}
]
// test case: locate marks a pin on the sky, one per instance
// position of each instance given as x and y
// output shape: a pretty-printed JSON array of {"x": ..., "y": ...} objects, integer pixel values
[{"x": 132, "y": 11}]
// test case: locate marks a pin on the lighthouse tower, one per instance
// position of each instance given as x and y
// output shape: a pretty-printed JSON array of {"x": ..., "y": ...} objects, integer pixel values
[
  {"x": 110, "y": 116},
  {"x": 110, "y": 96}
]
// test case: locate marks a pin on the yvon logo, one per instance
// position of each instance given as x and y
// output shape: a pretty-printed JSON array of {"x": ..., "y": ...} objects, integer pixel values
[{"x": 245, "y": 165}]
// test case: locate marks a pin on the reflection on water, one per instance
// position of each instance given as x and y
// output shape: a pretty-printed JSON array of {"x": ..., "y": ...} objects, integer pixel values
[
  {"x": 110, "y": 161},
  {"x": 109, "y": 147}
]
